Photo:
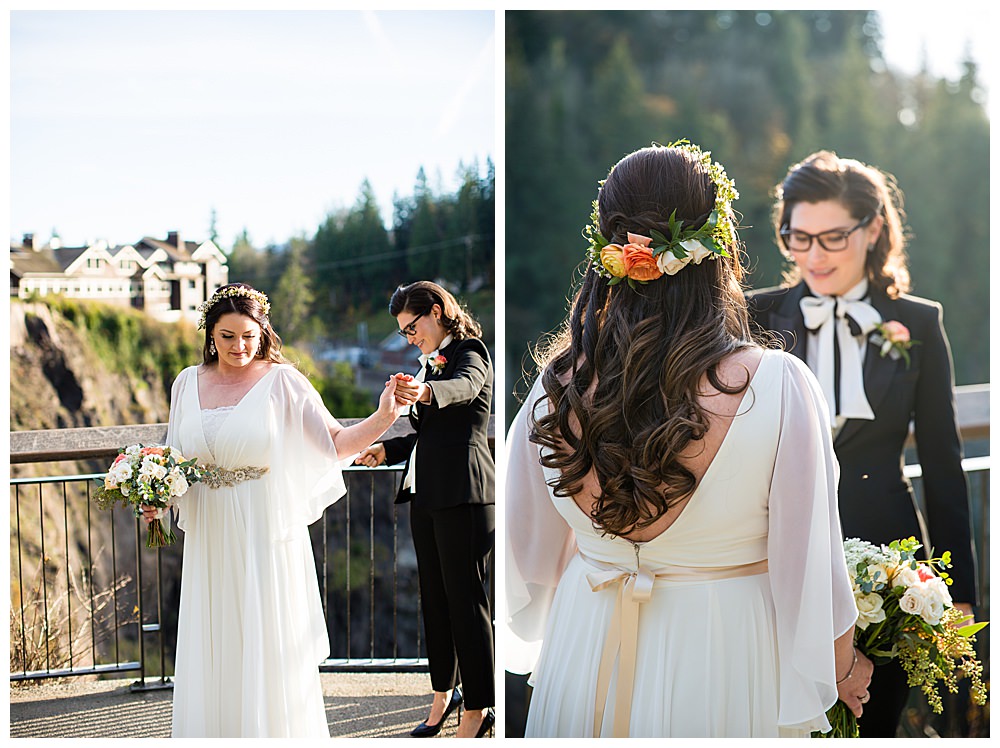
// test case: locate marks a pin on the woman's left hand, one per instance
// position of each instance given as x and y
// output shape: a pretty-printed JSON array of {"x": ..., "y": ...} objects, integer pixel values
[{"x": 387, "y": 405}]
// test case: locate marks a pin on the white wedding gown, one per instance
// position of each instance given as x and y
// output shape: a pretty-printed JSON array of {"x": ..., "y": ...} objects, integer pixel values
[
  {"x": 251, "y": 631},
  {"x": 738, "y": 601}
]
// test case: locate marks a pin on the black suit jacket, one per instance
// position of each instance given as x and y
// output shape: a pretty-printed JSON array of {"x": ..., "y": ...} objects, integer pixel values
[
  {"x": 876, "y": 501},
  {"x": 454, "y": 464}
]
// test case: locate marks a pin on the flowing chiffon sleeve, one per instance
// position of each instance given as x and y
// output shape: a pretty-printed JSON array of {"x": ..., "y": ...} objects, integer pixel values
[
  {"x": 539, "y": 543},
  {"x": 173, "y": 440},
  {"x": 810, "y": 585},
  {"x": 305, "y": 471}
]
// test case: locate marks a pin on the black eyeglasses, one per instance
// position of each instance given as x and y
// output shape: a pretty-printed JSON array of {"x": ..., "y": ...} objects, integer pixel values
[
  {"x": 410, "y": 329},
  {"x": 831, "y": 241}
]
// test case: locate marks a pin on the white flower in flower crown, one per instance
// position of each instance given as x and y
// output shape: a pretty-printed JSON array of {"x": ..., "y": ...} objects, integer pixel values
[
  {"x": 669, "y": 264},
  {"x": 697, "y": 251},
  {"x": 133, "y": 450}
]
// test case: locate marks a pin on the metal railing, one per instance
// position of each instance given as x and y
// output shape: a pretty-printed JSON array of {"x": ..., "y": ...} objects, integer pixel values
[{"x": 89, "y": 598}]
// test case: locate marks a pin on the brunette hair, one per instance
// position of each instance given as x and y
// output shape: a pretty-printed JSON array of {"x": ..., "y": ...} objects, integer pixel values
[
  {"x": 865, "y": 191},
  {"x": 419, "y": 297},
  {"x": 270, "y": 343},
  {"x": 633, "y": 358}
]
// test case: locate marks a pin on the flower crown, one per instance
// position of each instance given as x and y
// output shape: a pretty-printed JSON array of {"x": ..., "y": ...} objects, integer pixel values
[
  {"x": 646, "y": 258},
  {"x": 228, "y": 292}
]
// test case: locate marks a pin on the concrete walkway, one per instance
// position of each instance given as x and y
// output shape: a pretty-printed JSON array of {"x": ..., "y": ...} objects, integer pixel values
[{"x": 358, "y": 705}]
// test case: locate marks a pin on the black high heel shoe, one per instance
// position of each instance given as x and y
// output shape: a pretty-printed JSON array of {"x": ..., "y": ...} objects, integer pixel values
[
  {"x": 424, "y": 730},
  {"x": 487, "y": 724}
]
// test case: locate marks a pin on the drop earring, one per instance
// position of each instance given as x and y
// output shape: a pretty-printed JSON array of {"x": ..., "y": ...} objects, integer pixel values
[{"x": 211, "y": 347}]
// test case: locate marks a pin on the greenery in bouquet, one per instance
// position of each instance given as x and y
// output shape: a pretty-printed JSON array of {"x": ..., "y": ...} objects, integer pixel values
[
  {"x": 905, "y": 612},
  {"x": 151, "y": 476}
]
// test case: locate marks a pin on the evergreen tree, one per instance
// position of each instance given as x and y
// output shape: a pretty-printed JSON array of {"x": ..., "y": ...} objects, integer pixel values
[{"x": 293, "y": 299}]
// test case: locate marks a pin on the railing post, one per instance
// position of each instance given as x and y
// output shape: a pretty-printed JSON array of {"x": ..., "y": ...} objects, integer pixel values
[{"x": 144, "y": 628}]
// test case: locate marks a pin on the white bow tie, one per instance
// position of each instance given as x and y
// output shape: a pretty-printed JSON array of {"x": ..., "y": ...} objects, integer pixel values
[{"x": 832, "y": 318}]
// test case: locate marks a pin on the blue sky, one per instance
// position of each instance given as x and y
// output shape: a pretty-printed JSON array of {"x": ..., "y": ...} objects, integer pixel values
[{"x": 132, "y": 123}]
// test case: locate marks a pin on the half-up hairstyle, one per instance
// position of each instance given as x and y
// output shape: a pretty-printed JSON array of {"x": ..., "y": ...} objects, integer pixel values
[
  {"x": 248, "y": 306},
  {"x": 419, "y": 297},
  {"x": 632, "y": 359},
  {"x": 865, "y": 191}
]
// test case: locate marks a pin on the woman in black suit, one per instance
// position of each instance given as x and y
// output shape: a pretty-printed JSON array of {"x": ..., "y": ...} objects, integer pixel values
[
  {"x": 840, "y": 221},
  {"x": 449, "y": 482}
]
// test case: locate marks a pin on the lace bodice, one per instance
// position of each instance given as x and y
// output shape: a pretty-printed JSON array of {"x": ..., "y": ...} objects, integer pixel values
[{"x": 212, "y": 420}]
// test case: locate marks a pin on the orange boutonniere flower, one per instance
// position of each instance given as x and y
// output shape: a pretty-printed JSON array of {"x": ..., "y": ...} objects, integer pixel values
[{"x": 437, "y": 363}]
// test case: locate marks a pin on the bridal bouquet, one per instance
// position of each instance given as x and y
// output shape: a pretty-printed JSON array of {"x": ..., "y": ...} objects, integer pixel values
[
  {"x": 151, "y": 476},
  {"x": 906, "y": 612}
]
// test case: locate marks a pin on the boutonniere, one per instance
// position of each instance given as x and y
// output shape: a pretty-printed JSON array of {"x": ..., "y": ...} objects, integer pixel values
[
  {"x": 437, "y": 363},
  {"x": 893, "y": 340}
]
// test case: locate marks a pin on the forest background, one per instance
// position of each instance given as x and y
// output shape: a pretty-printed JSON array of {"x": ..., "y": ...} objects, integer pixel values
[{"x": 760, "y": 90}]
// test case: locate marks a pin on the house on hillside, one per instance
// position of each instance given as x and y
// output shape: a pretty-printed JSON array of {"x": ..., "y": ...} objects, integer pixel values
[{"x": 166, "y": 278}]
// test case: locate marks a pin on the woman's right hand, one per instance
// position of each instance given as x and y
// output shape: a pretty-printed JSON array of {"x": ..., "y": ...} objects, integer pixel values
[
  {"x": 853, "y": 690},
  {"x": 372, "y": 456},
  {"x": 149, "y": 513}
]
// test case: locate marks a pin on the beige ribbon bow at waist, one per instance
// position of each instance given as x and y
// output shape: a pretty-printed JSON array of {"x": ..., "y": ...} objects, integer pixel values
[{"x": 636, "y": 588}]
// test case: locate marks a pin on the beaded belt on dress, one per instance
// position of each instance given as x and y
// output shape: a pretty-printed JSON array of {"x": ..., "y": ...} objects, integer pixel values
[
  {"x": 635, "y": 588},
  {"x": 214, "y": 476}
]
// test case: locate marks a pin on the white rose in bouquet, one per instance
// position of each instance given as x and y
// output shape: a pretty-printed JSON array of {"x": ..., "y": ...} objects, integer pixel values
[
  {"x": 151, "y": 470},
  {"x": 177, "y": 482},
  {"x": 912, "y": 602},
  {"x": 905, "y": 576},
  {"x": 869, "y": 609}
]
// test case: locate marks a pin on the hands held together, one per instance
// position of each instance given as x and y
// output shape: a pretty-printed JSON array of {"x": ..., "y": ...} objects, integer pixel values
[{"x": 401, "y": 391}]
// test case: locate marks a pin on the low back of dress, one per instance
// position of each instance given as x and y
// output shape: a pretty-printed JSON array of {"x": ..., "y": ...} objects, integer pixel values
[{"x": 725, "y": 522}]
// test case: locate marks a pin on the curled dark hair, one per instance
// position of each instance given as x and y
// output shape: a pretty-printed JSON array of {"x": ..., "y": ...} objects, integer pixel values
[
  {"x": 270, "y": 343},
  {"x": 421, "y": 296},
  {"x": 633, "y": 359},
  {"x": 864, "y": 191}
]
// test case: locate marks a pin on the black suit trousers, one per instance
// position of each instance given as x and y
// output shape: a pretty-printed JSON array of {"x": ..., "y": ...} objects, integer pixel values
[
  {"x": 453, "y": 546},
  {"x": 889, "y": 694}
]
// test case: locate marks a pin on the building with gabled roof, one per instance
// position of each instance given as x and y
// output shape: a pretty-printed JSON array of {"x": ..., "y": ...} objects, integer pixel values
[{"x": 168, "y": 279}]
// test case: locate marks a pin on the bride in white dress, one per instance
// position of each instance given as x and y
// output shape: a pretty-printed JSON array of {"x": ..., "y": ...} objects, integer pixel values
[
  {"x": 674, "y": 559},
  {"x": 251, "y": 632}
]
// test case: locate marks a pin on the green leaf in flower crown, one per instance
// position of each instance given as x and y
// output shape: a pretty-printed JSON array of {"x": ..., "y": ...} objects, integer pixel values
[
  {"x": 713, "y": 219},
  {"x": 709, "y": 243},
  {"x": 600, "y": 241},
  {"x": 673, "y": 224},
  {"x": 658, "y": 237},
  {"x": 679, "y": 252},
  {"x": 657, "y": 251},
  {"x": 614, "y": 281}
]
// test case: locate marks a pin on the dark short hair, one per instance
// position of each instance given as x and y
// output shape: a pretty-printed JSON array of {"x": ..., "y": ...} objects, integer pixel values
[
  {"x": 864, "y": 191},
  {"x": 421, "y": 296}
]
